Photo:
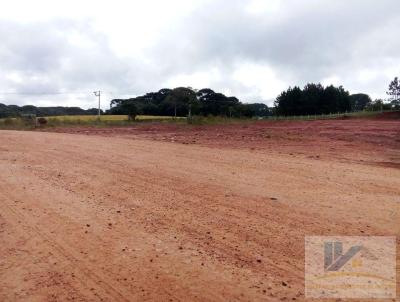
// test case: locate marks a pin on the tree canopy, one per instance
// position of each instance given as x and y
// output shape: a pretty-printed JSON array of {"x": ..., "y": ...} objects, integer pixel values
[
  {"x": 178, "y": 101},
  {"x": 359, "y": 101},
  {"x": 15, "y": 111},
  {"x": 309, "y": 100},
  {"x": 394, "y": 93},
  {"x": 313, "y": 99}
]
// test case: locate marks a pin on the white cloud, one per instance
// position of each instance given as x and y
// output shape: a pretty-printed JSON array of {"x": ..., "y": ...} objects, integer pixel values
[
  {"x": 332, "y": 80},
  {"x": 262, "y": 7},
  {"x": 249, "y": 48},
  {"x": 258, "y": 79},
  {"x": 201, "y": 78}
]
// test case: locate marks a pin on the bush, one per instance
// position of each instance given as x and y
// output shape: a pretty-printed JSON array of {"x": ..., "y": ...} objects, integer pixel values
[
  {"x": 41, "y": 121},
  {"x": 8, "y": 122}
]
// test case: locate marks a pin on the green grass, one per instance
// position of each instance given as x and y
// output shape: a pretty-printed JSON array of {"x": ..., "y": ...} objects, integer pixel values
[
  {"x": 15, "y": 123},
  {"x": 122, "y": 120},
  {"x": 115, "y": 120},
  {"x": 92, "y": 118},
  {"x": 85, "y": 120}
]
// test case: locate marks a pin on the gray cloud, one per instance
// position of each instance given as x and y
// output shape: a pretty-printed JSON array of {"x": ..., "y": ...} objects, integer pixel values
[
  {"x": 308, "y": 41},
  {"x": 57, "y": 56},
  {"x": 352, "y": 42}
]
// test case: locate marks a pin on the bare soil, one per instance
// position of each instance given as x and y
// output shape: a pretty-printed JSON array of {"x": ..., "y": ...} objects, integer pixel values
[{"x": 162, "y": 212}]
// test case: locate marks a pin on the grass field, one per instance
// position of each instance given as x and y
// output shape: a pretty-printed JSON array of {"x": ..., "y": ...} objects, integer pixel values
[
  {"x": 110, "y": 117},
  {"x": 122, "y": 120},
  {"x": 86, "y": 120}
]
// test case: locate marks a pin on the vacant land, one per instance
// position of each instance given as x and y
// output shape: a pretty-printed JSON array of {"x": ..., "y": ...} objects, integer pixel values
[
  {"x": 18, "y": 123},
  {"x": 91, "y": 118},
  {"x": 187, "y": 213}
]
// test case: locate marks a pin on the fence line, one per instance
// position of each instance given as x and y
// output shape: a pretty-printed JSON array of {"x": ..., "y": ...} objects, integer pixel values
[{"x": 326, "y": 116}]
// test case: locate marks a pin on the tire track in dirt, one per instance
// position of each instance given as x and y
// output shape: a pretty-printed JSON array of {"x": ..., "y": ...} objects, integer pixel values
[
  {"x": 244, "y": 224},
  {"x": 66, "y": 254},
  {"x": 43, "y": 203}
]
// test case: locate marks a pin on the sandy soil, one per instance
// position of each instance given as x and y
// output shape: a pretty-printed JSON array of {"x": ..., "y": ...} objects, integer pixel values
[{"x": 177, "y": 213}]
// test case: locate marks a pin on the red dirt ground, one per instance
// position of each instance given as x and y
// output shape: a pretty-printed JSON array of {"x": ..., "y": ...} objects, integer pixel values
[
  {"x": 370, "y": 140},
  {"x": 162, "y": 212}
]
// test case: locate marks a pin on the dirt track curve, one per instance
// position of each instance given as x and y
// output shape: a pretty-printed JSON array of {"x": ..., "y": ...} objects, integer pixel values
[{"x": 93, "y": 218}]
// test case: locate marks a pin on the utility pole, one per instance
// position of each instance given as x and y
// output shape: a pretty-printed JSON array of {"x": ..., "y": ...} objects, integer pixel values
[
  {"x": 98, "y": 94},
  {"x": 175, "y": 109},
  {"x": 190, "y": 110}
]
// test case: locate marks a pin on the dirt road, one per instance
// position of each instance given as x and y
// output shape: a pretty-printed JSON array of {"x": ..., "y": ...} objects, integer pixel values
[{"x": 94, "y": 218}]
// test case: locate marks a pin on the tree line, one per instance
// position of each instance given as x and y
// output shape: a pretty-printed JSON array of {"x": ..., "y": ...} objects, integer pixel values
[
  {"x": 313, "y": 99},
  {"x": 317, "y": 99},
  {"x": 15, "y": 111},
  {"x": 183, "y": 101}
]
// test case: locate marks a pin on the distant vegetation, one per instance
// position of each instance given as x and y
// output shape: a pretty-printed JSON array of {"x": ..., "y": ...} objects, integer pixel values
[
  {"x": 183, "y": 101},
  {"x": 30, "y": 121},
  {"x": 313, "y": 99},
  {"x": 15, "y": 111},
  {"x": 359, "y": 101}
]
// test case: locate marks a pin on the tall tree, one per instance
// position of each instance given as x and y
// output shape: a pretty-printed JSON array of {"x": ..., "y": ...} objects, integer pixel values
[
  {"x": 313, "y": 99},
  {"x": 394, "y": 92},
  {"x": 130, "y": 108},
  {"x": 394, "y": 89},
  {"x": 359, "y": 101}
]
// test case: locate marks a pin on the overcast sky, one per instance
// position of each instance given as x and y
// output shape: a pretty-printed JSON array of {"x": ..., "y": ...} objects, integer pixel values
[{"x": 252, "y": 49}]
